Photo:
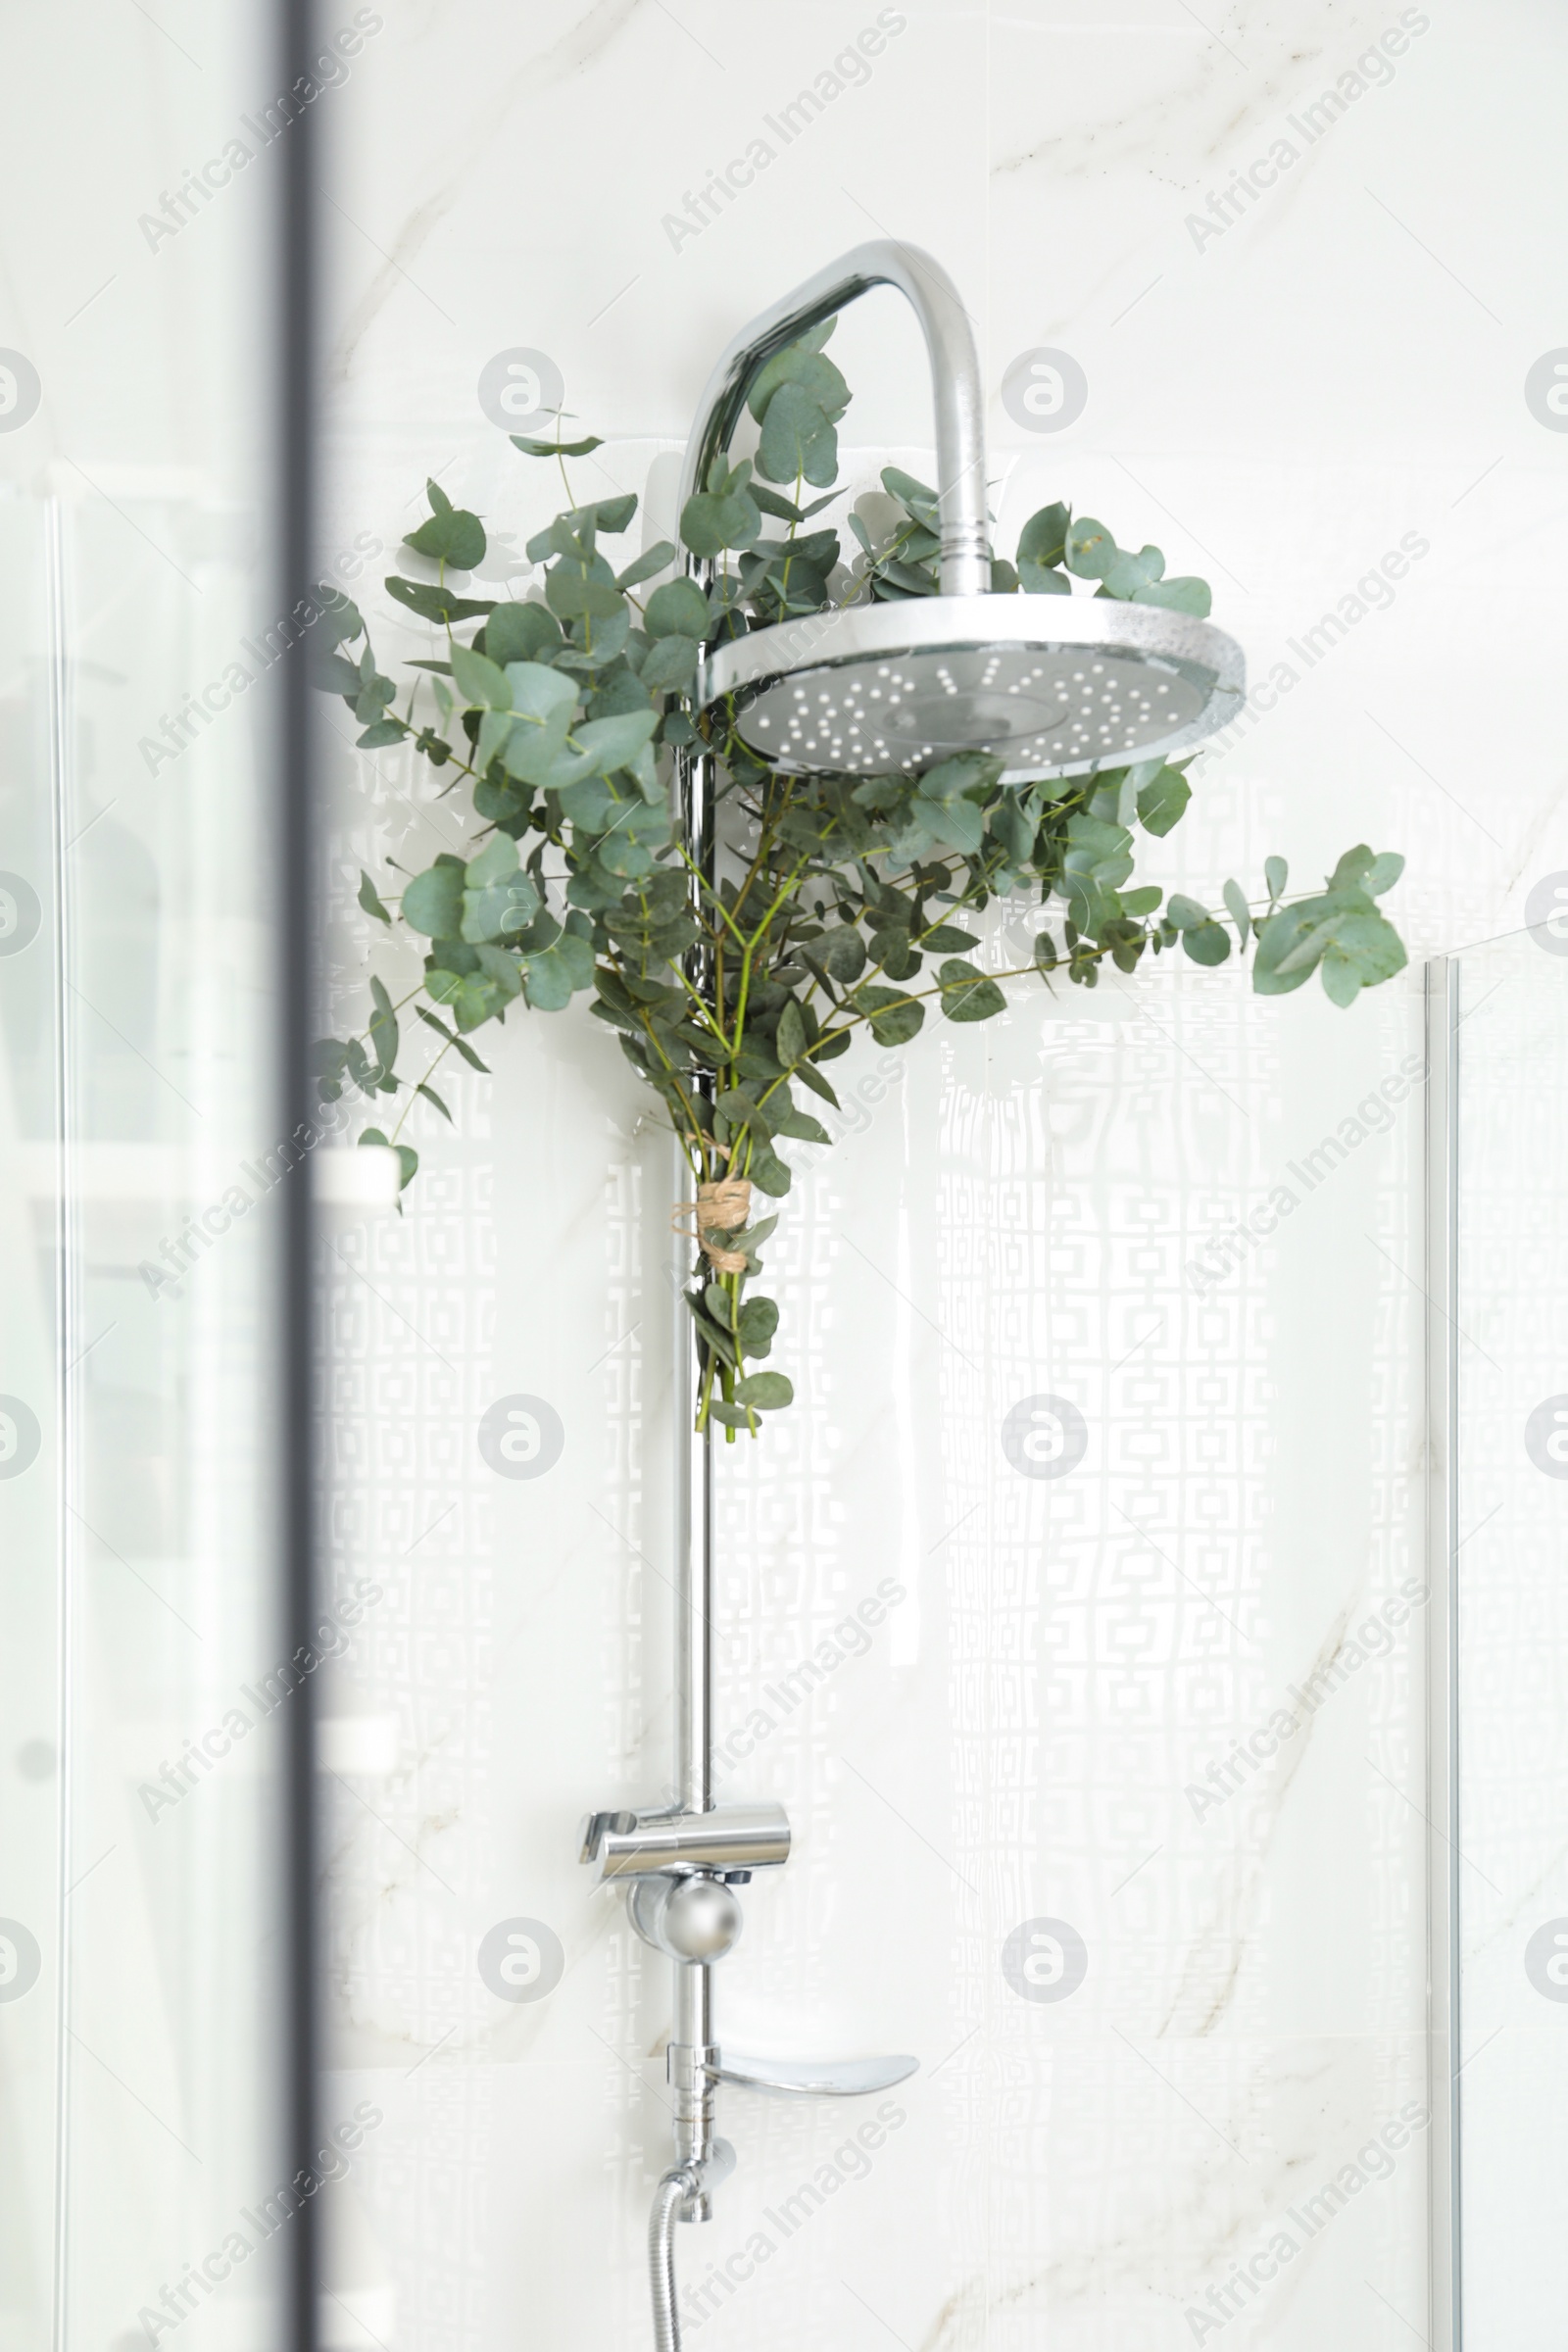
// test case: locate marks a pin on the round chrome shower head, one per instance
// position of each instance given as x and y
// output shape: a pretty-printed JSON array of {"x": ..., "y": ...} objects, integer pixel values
[{"x": 1053, "y": 686}]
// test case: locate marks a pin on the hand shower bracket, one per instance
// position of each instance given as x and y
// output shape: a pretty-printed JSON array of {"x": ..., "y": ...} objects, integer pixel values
[{"x": 726, "y": 1839}]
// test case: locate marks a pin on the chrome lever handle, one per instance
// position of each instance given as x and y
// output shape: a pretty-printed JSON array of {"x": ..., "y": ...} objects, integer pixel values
[
  {"x": 812, "y": 2078},
  {"x": 715, "y": 2169}
]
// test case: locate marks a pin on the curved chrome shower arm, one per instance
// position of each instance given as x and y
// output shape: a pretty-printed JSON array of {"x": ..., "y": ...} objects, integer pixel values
[{"x": 954, "y": 384}]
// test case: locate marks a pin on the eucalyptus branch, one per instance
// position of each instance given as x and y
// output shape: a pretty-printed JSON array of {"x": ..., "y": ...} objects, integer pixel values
[
  {"x": 570, "y": 707},
  {"x": 418, "y": 1089}
]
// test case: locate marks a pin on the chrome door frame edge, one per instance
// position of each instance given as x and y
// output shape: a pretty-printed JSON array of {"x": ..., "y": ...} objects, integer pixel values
[{"x": 1442, "y": 1017}]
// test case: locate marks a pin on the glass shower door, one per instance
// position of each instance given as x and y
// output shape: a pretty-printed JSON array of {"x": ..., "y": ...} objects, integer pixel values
[{"x": 143, "y": 2162}]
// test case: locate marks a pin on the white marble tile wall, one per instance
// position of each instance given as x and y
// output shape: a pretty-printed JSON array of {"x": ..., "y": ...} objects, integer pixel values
[{"x": 1280, "y": 398}]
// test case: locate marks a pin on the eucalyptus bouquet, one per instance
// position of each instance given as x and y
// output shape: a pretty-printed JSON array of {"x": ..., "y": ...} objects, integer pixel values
[{"x": 837, "y": 903}]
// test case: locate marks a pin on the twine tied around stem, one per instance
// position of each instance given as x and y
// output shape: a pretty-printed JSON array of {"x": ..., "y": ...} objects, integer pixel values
[{"x": 720, "y": 1209}]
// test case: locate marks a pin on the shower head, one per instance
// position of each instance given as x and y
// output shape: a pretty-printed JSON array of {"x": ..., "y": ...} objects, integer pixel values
[{"x": 1052, "y": 686}]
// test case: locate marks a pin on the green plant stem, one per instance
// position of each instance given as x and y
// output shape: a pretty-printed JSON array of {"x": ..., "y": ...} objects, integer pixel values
[{"x": 415, "y": 1095}]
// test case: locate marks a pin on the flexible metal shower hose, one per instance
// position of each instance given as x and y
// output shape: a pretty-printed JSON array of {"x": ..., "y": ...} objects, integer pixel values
[{"x": 669, "y": 2196}]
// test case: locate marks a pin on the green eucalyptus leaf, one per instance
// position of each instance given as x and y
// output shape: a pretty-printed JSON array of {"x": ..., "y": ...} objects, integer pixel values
[
  {"x": 786, "y": 510},
  {"x": 790, "y": 1039},
  {"x": 672, "y": 666},
  {"x": 769, "y": 1173},
  {"x": 629, "y": 849},
  {"x": 798, "y": 440},
  {"x": 520, "y": 633},
  {"x": 1278, "y": 936},
  {"x": 841, "y": 953},
  {"x": 582, "y": 591},
  {"x": 709, "y": 521},
  {"x": 497, "y": 899},
  {"x": 501, "y": 970},
  {"x": 609, "y": 743},
  {"x": 800, "y": 1124},
  {"x": 1351, "y": 925},
  {"x": 436, "y": 604},
  {"x": 892, "y": 1017},
  {"x": 1089, "y": 549},
  {"x": 370, "y": 901},
  {"x": 597, "y": 642},
  {"x": 968, "y": 995},
  {"x": 1352, "y": 868},
  {"x": 764, "y": 1392},
  {"x": 433, "y": 901},
  {"x": 928, "y": 824},
  {"x": 678, "y": 608},
  {"x": 543, "y": 700},
  {"x": 373, "y": 695},
  {"x": 552, "y": 975},
  {"x": 810, "y": 370},
  {"x": 809, "y": 1075},
  {"x": 495, "y": 733},
  {"x": 1341, "y": 981},
  {"x": 451, "y": 536},
  {"x": 1129, "y": 573},
  {"x": 653, "y": 558},
  {"x": 1178, "y": 595},
  {"x": 1206, "y": 941},
  {"x": 1236, "y": 906},
  {"x": 908, "y": 577},
  {"x": 1043, "y": 537},
  {"x": 556, "y": 449},
  {"x": 1163, "y": 801},
  {"x": 920, "y": 498},
  {"x": 759, "y": 1320},
  {"x": 470, "y": 997},
  {"x": 330, "y": 673},
  {"x": 742, "y": 1111},
  {"x": 1098, "y": 850},
  {"x": 383, "y": 1030},
  {"x": 479, "y": 681},
  {"x": 963, "y": 772},
  {"x": 340, "y": 623},
  {"x": 613, "y": 514}
]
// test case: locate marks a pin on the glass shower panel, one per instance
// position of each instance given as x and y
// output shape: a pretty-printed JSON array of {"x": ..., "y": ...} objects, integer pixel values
[
  {"x": 1508, "y": 1016},
  {"x": 145, "y": 1699}
]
